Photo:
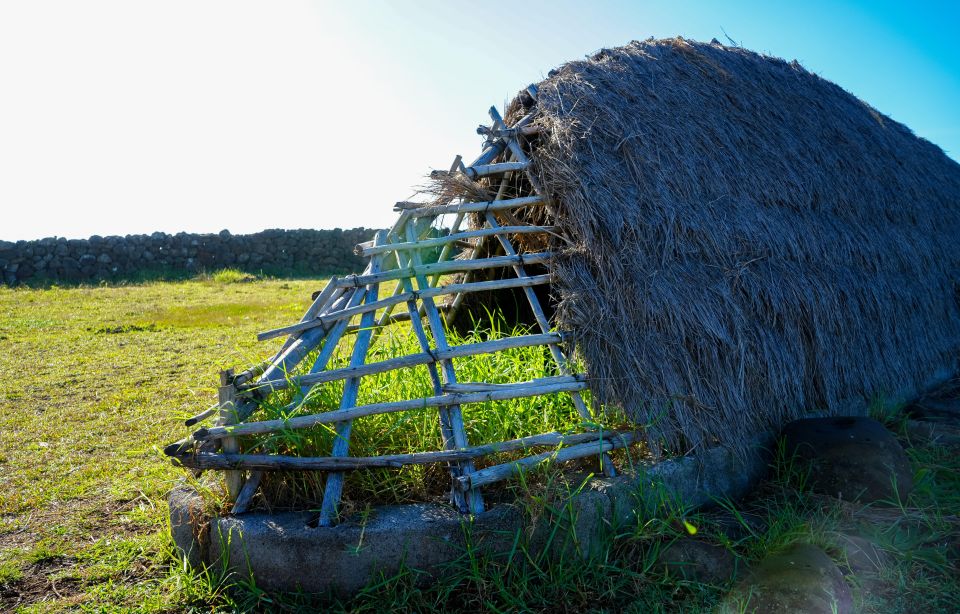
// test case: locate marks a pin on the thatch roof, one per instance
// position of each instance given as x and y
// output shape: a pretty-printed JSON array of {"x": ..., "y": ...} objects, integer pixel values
[{"x": 750, "y": 241}]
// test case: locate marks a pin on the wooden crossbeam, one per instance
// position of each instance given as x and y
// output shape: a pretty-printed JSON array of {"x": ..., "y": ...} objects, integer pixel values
[
  {"x": 508, "y": 391},
  {"x": 425, "y": 210},
  {"x": 281, "y": 462},
  {"x": 347, "y": 313},
  {"x": 497, "y": 473},
  {"x": 367, "y": 251}
]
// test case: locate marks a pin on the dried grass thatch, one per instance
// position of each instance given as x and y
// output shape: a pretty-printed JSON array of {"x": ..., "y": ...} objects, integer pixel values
[{"x": 750, "y": 241}]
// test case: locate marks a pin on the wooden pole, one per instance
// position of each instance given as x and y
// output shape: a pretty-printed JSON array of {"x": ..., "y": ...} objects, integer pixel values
[
  {"x": 202, "y": 415},
  {"x": 280, "y": 462},
  {"x": 485, "y": 170},
  {"x": 544, "y": 325},
  {"x": 474, "y": 498},
  {"x": 516, "y": 150},
  {"x": 445, "y": 241},
  {"x": 453, "y": 266},
  {"x": 449, "y": 439},
  {"x": 497, "y": 473},
  {"x": 411, "y": 360},
  {"x": 325, "y": 321},
  {"x": 422, "y": 210},
  {"x": 305, "y": 343},
  {"x": 445, "y": 252},
  {"x": 249, "y": 490},
  {"x": 508, "y": 391},
  {"x": 227, "y": 397},
  {"x": 333, "y": 489}
]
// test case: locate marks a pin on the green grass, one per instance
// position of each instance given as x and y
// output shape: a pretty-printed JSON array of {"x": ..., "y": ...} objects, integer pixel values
[
  {"x": 397, "y": 433},
  {"x": 97, "y": 379}
]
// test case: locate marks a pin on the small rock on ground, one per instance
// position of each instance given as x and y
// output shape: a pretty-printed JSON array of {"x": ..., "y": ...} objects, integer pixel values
[
  {"x": 851, "y": 458},
  {"x": 800, "y": 579},
  {"x": 858, "y": 555},
  {"x": 699, "y": 561}
]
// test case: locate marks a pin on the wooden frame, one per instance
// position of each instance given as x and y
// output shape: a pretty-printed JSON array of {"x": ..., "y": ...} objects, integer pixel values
[{"x": 395, "y": 255}]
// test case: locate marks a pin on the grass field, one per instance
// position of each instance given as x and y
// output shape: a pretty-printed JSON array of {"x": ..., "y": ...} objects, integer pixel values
[{"x": 96, "y": 380}]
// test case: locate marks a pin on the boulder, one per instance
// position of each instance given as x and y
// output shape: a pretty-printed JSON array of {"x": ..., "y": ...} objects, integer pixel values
[
  {"x": 699, "y": 561},
  {"x": 800, "y": 579},
  {"x": 851, "y": 458},
  {"x": 858, "y": 555}
]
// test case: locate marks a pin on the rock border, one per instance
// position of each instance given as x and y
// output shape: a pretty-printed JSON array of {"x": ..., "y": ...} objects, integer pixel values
[{"x": 281, "y": 552}]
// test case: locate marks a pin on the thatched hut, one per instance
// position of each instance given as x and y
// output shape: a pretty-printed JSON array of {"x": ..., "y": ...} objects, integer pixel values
[
  {"x": 748, "y": 241},
  {"x": 730, "y": 242}
]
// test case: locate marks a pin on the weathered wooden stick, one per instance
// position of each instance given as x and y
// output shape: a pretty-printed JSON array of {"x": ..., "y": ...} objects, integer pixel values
[
  {"x": 445, "y": 252},
  {"x": 328, "y": 319},
  {"x": 512, "y": 391},
  {"x": 242, "y": 504},
  {"x": 498, "y": 473},
  {"x": 497, "y": 147},
  {"x": 182, "y": 446},
  {"x": 334, "y": 334},
  {"x": 484, "y": 386},
  {"x": 425, "y": 210},
  {"x": 339, "y": 299},
  {"x": 322, "y": 299},
  {"x": 227, "y": 397},
  {"x": 321, "y": 304},
  {"x": 444, "y": 255},
  {"x": 253, "y": 372},
  {"x": 333, "y": 488},
  {"x": 485, "y": 170},
  {"x": 544, "y": 325},
  {"x": 452, "y": 266},
  {"x": 202, "y": 415},
  {"x": 411, "y": 360},
  {"x": 458, "y": 499},
  {"x": 459, "y": 432},
  {"x": 505, "y": 133},
  {"x": 453, "y": 238},
  {"x": 278, "y": 462},
  {"x": 454, "y": 306},
  {"x": 306, "y": 342},
  {"x": 400, "y": 317},
  {"x": 517, "y": 151}
]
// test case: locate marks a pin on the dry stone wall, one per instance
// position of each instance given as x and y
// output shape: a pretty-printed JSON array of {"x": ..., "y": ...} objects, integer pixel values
[{"x": 133, "y": 257}]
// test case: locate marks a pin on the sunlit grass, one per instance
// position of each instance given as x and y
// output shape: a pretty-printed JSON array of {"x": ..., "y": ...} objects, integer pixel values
[
  {"x": 97, "y": 379},
  {"x": 410, "y": 431}
]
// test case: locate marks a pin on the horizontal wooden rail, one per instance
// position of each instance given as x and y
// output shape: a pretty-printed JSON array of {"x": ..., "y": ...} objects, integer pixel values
[
  {"x": 363, "y": 249},
  {"x": 485, "y": 170},
  {"x": 508, "y": 133},
  {"x": 279, "y": 462},
  {"x": 411, "y": 360},
  {"x": 486, "y": 387},
  {"x": 498, "y": 473},
  {"x": 400, "y": 317},
  {"x": 514, "y": 391},
  {"x": 426, "y": 210},
  {"x": 345, "y": 314},
  {"x": 451, "y": 266}
]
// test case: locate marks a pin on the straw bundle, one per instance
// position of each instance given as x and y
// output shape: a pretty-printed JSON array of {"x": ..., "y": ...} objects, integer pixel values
[{"x": 745, "y": 241}]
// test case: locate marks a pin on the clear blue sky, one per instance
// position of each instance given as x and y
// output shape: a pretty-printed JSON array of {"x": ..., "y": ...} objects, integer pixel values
[{"x": 120, "y": 117}]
